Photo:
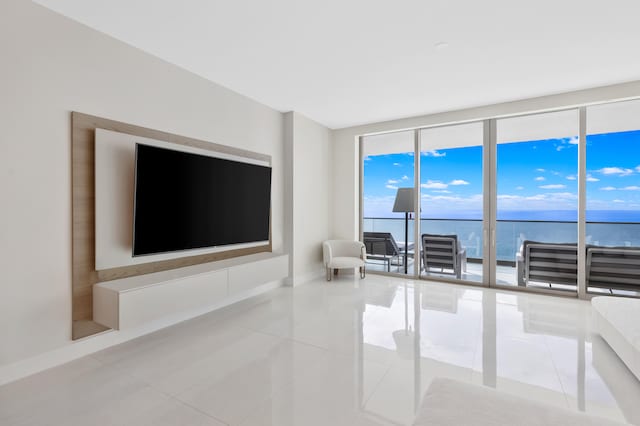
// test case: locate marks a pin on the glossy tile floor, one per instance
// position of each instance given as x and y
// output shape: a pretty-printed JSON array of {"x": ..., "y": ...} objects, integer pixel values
[{"x": 348, "y": 352}]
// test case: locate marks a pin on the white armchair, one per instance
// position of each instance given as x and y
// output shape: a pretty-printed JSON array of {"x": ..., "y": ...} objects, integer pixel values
[{"x": 341, "y": 254}]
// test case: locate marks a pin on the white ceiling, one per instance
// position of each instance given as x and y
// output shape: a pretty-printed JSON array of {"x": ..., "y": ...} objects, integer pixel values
[{"x": 348, "y": 62}]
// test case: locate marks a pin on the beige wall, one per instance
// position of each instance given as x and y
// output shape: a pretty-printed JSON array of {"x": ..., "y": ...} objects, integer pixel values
[
  {"x": 346, "y": 152},
  {"x": 308, "y": 155},
  {"x": 50, "y": 67}
]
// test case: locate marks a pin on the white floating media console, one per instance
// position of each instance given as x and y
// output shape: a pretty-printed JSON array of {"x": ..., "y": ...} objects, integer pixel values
[{"x": 131, "y": 302}]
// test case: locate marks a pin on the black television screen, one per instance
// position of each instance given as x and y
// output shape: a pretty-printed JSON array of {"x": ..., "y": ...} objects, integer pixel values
[{"x": 187, "y": 201}]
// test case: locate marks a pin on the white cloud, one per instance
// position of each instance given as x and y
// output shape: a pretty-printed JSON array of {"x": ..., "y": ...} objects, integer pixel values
[
  {"x": 454, "y": 198},
  {"x": 589, "y": 178},
  {"x": 608, "y": 188},
  {"x": 539, "y": 178},
  {"x": 519, "y": 188},
  {"x": 618, "y": 201},
  {"x": 434, "y": 153},
  {"x": 367, "y": 158},
  {"x": 434, "y": 184},
  {"x": 442, "y": 191},
  {"x": 405, "y": 177},
  {"x": 540, "y": 170},
  {"x": 631, "y": 188},
  {"x": 392, "y": 181},
  {"x": 566, "y": 143},
  {"x": 615, "y": 171},
  {"x": 559, "y": 200},
  {"x": 553, "y": 186},
  {"x": 563, "y": 195},
  {"x": 378, "y": 206},
  {"x": 397, "y": 164},
  {"x": 391, "y": 187},
  {"x": 458, "y": 182},
  {"x": 637, "y": 168}
]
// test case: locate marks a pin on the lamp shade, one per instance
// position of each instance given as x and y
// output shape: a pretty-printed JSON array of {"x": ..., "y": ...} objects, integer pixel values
[{"x": 404, "y": 201}]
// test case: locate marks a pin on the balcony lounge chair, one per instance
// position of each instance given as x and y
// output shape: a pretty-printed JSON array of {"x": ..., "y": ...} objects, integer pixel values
[
  {"x": 443, "y": 254},
  {"x": 551, "y": 263},
  {"x": 615, "y": 268},
  {"x": 612, "y": 268},
  {"x": 382, "y": 246}
]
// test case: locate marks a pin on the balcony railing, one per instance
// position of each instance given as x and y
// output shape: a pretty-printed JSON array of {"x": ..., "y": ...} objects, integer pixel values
[{"x": 511, "y": 233}]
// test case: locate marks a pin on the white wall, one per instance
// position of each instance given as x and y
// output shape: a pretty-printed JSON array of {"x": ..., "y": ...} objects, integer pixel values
[
  {"x": 50, "y": 67},
  {"x": 345, "y": 141},
  {"x": 308, "y": 145}
]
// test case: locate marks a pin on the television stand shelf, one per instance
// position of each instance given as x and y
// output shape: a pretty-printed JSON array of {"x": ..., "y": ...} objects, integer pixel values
[{"x": 177, "y": 294}]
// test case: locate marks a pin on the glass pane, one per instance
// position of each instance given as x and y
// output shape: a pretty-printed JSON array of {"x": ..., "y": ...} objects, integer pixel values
[
  {"x": 451, "y": 201},
  {"x": 537, "y": 209},
  {"x": 613, "y": 198},
  {"x": 388, "y": 181}
]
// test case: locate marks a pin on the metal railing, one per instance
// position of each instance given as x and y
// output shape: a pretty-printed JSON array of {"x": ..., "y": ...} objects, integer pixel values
[{"x": 511, "y": 233}]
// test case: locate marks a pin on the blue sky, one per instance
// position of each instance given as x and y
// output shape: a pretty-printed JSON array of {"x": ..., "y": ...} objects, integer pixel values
[{"x": 534, "y": 178}]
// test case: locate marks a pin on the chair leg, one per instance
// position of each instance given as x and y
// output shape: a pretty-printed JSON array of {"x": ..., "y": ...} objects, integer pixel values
[
  {"x": 363, "y": 272},
  {"x": 328, "y": 273}
]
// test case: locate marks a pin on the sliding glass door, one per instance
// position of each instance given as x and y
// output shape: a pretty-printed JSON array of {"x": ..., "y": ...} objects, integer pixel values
[
  {"x": 451, "y": 201},
  {"x": 387, "y": 201},
  {"x": 540, "y": 202},
  {"x": 613, "y": 199},
  {"x": 536, "y": 229}
]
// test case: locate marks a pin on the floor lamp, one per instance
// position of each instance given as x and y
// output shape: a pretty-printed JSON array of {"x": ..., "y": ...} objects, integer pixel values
[{"x": 404, "y": 204}]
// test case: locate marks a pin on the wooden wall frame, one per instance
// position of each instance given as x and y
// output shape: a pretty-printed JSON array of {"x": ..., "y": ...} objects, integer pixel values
[{"x": 84, "y": 273}]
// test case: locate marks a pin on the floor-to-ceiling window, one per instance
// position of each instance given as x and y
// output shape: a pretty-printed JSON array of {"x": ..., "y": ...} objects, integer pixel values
[
  {"x": 536, "y": 230},
  {"x": 613, "y": 198},
  {"x": 451, "y": 201},
  {"x": 526, "y": 201},
  {"x": 387, "y": 201}
]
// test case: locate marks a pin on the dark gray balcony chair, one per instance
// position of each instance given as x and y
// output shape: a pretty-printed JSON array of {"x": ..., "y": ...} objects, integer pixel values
[
  {"x": 442, "y": 254},
  {"x": 613, "y": 268},
  {"x": 382, "y": 246},
  {"x": 550, "y": 263}
]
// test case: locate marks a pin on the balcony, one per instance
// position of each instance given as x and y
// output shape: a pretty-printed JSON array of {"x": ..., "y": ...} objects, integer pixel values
[{"x": 510, "y": 235}]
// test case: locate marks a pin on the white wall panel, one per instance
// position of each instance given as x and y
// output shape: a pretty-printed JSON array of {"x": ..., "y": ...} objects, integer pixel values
[{"x": 51, "y": 66}]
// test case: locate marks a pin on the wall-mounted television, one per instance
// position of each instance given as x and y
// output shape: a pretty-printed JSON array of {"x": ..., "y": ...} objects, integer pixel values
[{"x": 187, "y": 201}]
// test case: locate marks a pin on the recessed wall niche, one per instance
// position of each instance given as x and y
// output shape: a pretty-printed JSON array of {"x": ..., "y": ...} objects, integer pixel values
[{"x": 84, "y": 271}]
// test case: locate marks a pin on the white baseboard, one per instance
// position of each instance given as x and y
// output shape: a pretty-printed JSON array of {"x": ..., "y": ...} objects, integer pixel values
[
  {"x": 89, "y": 345},
  {"x": 303, "y": 278}
]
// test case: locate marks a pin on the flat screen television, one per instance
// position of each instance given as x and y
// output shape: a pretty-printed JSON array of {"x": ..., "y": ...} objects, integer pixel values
[{"x": 187, "y": 201}]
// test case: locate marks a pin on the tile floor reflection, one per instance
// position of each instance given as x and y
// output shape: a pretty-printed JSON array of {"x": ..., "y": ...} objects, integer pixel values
[{"x": 349, "y": 352}]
